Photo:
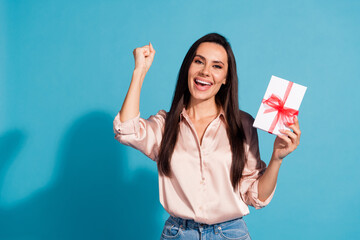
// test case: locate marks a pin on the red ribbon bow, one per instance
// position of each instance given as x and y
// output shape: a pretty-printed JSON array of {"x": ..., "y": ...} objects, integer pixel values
[{"x": 284, "y": 115}]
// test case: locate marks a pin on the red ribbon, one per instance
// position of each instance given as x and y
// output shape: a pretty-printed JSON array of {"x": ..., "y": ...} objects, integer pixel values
[{"x": 284, "y": 115}]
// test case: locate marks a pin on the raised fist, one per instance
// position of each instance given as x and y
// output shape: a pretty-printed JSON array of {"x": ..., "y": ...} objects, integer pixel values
[{"x": 144, "y": 57}]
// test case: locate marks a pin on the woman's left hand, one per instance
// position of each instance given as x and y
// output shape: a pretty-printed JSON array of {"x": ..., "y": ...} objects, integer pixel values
[{"x": 285, "y": 144}]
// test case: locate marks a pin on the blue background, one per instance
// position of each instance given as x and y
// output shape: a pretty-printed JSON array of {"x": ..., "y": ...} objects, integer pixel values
[{"x": 65, "y": 67}]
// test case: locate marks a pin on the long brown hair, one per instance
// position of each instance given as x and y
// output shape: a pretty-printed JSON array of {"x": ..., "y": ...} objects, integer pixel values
[{"x": 227, "y": 97}]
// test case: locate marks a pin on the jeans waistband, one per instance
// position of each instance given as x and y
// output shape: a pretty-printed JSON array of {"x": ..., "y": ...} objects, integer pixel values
[{"x": 192, "y": 224}]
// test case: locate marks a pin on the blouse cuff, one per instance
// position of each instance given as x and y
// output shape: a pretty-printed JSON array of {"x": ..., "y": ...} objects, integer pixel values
[
  {"x": 257, "y": 203},
  {"x": 128, "y": 127}
]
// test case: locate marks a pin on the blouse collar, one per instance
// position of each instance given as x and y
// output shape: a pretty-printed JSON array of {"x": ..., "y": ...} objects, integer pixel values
[{"x": 184, "y": 114}]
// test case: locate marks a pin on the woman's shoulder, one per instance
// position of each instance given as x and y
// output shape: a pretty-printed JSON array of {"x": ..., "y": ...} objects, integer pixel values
[
  {"x": 247, "y": 122},
  {"x": 246, "y": 118},
  {"x": 161, "y": 114}
]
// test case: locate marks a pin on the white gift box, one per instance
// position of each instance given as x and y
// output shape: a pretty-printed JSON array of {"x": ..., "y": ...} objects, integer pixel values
[{"x": 279, "y": 105}]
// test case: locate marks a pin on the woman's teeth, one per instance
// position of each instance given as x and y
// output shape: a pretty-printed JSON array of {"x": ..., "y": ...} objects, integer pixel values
[{"x": 202, "y": 82}]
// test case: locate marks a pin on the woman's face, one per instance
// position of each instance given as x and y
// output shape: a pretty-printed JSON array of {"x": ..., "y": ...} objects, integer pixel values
[{"x": 207, "y": 71}]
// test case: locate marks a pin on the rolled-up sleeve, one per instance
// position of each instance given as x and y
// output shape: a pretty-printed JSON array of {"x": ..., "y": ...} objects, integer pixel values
[
  {"x": 253, "y": 169},
  {"x": 142, "y": 134}
]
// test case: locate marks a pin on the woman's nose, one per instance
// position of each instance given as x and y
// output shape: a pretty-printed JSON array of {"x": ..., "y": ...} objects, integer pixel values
[{"x": 205, "y": 70}]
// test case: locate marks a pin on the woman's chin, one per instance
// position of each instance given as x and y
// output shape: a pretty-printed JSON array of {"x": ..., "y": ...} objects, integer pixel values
[{"x": 201, "y": 98}]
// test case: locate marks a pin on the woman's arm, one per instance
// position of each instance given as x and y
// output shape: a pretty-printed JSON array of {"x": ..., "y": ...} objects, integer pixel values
[
  {"x": 144, "y": 57},
  {"x": 283, "y": 145}
]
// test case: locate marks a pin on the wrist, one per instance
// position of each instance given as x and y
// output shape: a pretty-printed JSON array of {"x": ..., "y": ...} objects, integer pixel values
[
  {"x": 139, "y": 74},
  {"x": 139, "y": 71},
  {"x": 275, "y": 158}
]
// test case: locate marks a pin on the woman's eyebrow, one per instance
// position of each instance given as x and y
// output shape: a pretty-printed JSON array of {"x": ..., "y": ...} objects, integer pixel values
[{"x": 203, "y": 58}]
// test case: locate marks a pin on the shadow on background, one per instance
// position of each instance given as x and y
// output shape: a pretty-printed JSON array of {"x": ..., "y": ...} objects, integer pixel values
[
  {"x": 89, "y": 198},
  {"x": 10, "y": 145}
]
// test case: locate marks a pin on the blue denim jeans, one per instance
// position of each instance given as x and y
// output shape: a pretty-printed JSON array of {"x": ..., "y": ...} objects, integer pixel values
[{"x": 178, "y": 228}]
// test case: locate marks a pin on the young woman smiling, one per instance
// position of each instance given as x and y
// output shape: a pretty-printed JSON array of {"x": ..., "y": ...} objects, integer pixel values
[{"x": 205, "y": 148}]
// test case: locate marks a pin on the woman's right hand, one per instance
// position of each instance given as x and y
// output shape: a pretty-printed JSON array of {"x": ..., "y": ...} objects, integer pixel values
[{"x": 144, "y": 57}]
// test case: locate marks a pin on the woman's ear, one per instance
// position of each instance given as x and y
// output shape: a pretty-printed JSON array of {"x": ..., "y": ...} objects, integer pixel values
[{"x": 224, "y": 81}]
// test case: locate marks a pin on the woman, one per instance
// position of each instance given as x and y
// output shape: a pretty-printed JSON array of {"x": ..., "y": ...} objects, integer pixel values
[{"x": 205, "y": 147}]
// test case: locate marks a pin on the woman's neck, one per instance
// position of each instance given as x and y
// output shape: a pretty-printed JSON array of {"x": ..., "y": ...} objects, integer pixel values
[{"x": 198, "y": 110}]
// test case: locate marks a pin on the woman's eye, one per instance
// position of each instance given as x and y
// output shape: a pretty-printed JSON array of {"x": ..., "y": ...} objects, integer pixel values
[
  {"x": 197, "y": 61},
  {"x": 218, "y": 66}
]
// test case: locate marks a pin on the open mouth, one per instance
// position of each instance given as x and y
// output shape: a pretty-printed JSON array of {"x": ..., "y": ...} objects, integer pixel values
[{"x": 202, "y": 83}]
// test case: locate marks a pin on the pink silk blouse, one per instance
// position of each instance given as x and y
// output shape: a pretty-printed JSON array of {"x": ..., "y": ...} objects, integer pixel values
[{"x": 200, "y": 188}]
